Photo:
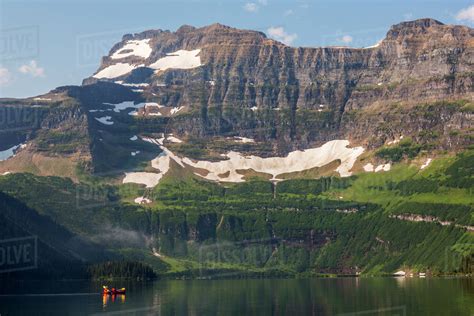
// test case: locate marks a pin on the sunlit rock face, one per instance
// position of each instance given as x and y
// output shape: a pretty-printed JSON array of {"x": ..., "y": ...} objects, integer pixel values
[
  {"x": 248, "y": 83},
  {"x": 257, "y": 97}
]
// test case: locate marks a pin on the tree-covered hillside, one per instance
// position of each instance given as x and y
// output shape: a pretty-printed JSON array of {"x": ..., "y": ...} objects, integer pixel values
[{"x": 371, "y": 223}]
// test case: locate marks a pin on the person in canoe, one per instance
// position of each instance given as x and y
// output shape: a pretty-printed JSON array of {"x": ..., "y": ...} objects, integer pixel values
[{"x": 113, "y": 291}]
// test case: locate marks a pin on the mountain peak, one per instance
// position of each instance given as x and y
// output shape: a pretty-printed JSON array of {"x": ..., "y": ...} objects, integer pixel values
[
  {"x": 185, "y": 29},
  {"x": 423, "y": 23},
  {"x": 217, "y": 26},
  {"x": 419, "y": 26},
  {"x": 228, "y": 30}
]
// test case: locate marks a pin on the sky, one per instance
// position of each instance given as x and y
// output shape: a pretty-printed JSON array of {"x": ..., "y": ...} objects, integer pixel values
[{"x": 49, "y": 43}]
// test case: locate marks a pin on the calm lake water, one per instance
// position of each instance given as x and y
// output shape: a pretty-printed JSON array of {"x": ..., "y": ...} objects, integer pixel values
[{"x": 335, "y": 296}]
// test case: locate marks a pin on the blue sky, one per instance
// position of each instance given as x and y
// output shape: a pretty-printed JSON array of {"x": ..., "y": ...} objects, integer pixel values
[{"x": 49, "y": 43}]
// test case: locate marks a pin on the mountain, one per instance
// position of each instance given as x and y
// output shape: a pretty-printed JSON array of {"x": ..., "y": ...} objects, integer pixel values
[
  {"x": 418, "y": 62},
  {"x": 330, "y": 159},
  {"x": 218, "y": 81}
]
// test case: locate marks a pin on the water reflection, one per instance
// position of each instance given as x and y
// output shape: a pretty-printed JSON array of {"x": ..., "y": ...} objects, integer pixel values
[
  {"x": 366, "y": 296},
  {"x": 107, "y": 299}
]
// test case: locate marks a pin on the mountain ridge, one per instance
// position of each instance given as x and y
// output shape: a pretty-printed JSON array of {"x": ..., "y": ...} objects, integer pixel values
[
  {"x": 289, "y": 98},
  {"x": 408, "y": 68},
  {"x": 295, "y": 160},
  {"x": 422, "y": 23}
]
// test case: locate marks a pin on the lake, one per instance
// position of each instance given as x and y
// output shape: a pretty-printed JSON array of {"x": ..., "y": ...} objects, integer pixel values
[{"x": 322, "y": 296}]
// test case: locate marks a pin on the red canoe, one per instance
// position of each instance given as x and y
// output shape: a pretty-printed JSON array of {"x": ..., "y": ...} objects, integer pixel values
[{"x": 113, "y": 291}]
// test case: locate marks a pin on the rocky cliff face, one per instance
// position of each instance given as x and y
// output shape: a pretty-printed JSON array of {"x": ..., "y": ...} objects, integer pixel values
[
  {"x": 220, "y": 82},
  {"x": 252, "y": 85},
  {"x": 51, "y": 135}
]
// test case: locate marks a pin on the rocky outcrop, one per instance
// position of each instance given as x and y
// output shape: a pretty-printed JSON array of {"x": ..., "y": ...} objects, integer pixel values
[
  {"x": 417, "y": 82},
  {"x": 254, "y": 86}
]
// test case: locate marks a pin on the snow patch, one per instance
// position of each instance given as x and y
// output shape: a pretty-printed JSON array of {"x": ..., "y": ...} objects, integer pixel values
[
  {"x": 139, "y": 48},
  {"x": 383, "y": 167},
  {"x": 244, "y": 140},
  {"x": 395, "y": 141},
  {"x": 374, "y": 46},
  {"x": 153, "y": 109},
  {"x": 153, "y": 141},
  {"x": 10, "y": 152},
  {"x": 134, "y": 85},
  {"x": 105, "y": 120},
  {"x": 174, "y": 139},
  {"x": 369, "y": 167},
  {"x": 176, "y": 110},
  {"x": 115, "y": 70},
  {"x": 181, "y": 59},
  {"x": 142, "y": 200},
  {"x": 134, "y": 153},
  {"x": 156, "y": 253},
  {"x": 254, "y": 108},
  {"x": 426, "y": 164},
  {"x": 151, "y": 105},
  {"x": 130, "y": 104},
  {"x": 149, "y": 179},
  {"x": 160, "y": 163}
]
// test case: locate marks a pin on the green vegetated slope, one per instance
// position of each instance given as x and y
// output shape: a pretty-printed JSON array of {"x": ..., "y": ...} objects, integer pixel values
[{"x": 373, "y": 223}]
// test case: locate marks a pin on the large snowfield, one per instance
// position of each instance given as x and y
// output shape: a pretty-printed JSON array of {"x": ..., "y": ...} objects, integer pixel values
[
  {"x": 296, "y": 161},
  {"x": 227, "y": 170},
  {"x": 181, "y": 59}
]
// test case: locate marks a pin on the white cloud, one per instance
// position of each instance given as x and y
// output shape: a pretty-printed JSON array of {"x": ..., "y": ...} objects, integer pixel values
[
  {"x": 288, "y": 12},
  {"x": 251, "y": 7},
  {"x": 408, "y": 16},
  {"x": 466, "y": 14},
  {"x": 281, "y": 35},
  {"x": 32, "y": 69},
  {"x": 346, "y": 39},
  {"x": 5, "y": 76}
]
